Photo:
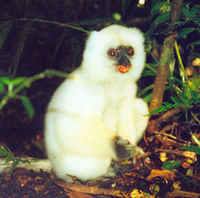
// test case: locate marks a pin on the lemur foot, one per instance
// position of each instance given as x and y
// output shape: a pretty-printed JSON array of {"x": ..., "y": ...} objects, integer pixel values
[{"x": 123, "y": 148}]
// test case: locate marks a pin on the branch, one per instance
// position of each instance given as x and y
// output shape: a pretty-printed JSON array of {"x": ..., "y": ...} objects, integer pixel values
[{"x": 163, "y": 68}]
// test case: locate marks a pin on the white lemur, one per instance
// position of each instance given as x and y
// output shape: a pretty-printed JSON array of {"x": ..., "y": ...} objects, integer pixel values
[{"x": 94, "y": 117}]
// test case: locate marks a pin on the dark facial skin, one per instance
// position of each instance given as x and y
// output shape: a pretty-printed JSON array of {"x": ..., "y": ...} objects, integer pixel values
[{"x": 121, "y": 55}]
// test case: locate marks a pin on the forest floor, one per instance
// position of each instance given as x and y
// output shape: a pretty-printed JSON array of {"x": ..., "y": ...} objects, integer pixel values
[{"x": 166, "y": 169}]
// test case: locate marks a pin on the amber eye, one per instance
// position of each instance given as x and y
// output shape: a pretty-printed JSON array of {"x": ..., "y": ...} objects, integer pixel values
[
  {"x": 130, "y": 51},
  {"x": 112, "y": 53}
]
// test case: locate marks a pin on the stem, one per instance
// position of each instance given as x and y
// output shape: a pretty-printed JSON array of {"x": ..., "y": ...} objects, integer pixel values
[
  {"x": 180, "y": 60},
  {"x": 151, "y": 68},
  {"x": 12, "y": 93},
  {"x": 54, "y": 22}
]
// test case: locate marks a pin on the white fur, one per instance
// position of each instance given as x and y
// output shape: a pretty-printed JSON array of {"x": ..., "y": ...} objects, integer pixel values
[{"x": 93, "y": 106}]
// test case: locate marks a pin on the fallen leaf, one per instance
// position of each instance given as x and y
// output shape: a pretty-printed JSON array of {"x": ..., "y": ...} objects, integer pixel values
[{"x": 167, "y": 175}]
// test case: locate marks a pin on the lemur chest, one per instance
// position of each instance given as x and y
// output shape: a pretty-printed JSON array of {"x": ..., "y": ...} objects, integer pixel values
[{"x": 113, "y": 104}]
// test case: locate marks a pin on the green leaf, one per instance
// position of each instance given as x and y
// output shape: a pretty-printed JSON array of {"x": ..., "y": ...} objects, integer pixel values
[
  {"x": 9, "y": 157},
  {"x": 3, "y": 151},
  {"x": 171, "y": 164},
  {"x": 2, "y": 88},
  {"x": 196, "y": 149},
  {"x": 147, "y": 98},
  {"x": 166, "y": 106},
  {"x": 194, "y": 95},
  {"x": 197, "y": 21},
  {"x": 195, "y": 10},
  {"x": 27, "y": 105},
  {"x": 187, "y": 99},
  {"x": 197, "y": 101},
  {"x": 18, "y": 81},
  {"x": 176, "y": 79},
  {"x": 184, "y": 32},
  {"x": 195, "y": 43},
  {"x": 154, "y": 111},
  {"x": 145, "y": 90},
  {"x": 5, "y": 80},
  {"x": 195, "y": 83},
  {"x": 148, "y": 73},
  {"x": 162, "y": 18},
  {"x": 177, "y": 102},
  {"x": 186, "y": 12},
  {"x": 14, "y": 82},
  {"x": 158, "y": 7},
  {"x": 183, "y": 97}
]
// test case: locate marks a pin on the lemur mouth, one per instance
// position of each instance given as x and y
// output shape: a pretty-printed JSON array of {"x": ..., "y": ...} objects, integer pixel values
[{"x": 122, "y": 68}]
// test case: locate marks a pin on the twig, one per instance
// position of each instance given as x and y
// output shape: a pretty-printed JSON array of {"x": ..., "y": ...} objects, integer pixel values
[
  {"x": 89, "y": 189},
  {"x": 169, "y": 142},
  {"x": 167, "y": 116},
  {"x": 189, "y": 154},
  {"x": 180, "y": 193},
  {"x": 169, "y": 135}
]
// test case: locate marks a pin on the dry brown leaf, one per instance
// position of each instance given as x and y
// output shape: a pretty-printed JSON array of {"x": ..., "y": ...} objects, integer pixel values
[
  {"x": 167, "y": 175},
  {"x": 76, "y": 194},
  {"x": 89, "y": 189},
  {"x": 196, "y": 62}
]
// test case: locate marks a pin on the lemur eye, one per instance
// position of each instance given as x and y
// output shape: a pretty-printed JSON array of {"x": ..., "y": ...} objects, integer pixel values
[
  {"x": 112, "y": 53},
  {"x": 130, "y": 51}
]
